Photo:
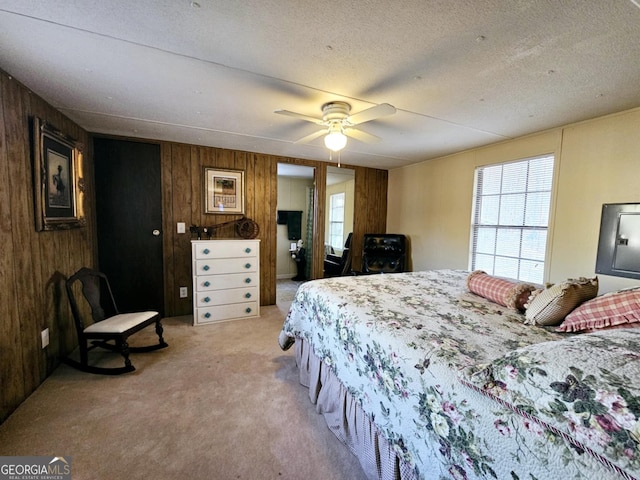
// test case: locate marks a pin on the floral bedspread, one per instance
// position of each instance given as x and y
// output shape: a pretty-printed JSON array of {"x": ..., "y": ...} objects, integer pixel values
[
  {"x": 585, "y": 388},
  {"x": 416, "y": 351}
]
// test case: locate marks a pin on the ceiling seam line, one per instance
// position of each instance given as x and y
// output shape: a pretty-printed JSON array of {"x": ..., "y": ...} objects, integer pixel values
[{"x": 205, "y": 129}]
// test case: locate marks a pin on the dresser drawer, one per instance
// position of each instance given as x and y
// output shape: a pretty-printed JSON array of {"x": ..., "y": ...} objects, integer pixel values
[
  {"x": 219, "y": 282},
  {"x": 222, "y": 249},
  {"x": 218, "y": 266},
  {"x": 226, "y": 280},
  {"x": 226, "y": 312},
  {"x": 223, "y": 297}
]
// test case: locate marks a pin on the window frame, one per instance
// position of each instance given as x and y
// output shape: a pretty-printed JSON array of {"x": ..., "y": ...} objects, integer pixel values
[
  {"x": 333, "y": 223},
  {"x": 544, "y": 190}
]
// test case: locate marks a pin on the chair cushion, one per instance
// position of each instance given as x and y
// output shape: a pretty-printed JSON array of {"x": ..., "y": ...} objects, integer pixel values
[{"x": 120, "y": 323}]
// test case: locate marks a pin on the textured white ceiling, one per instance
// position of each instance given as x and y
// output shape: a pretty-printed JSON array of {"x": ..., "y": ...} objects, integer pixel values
[{"x": 462, "y": 73}]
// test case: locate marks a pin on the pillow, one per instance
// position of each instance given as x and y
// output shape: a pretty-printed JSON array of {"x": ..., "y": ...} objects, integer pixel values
[
  {"x": 508, "y": 293},
  {"x": 550, "y": 306},
  {"x": 614, "y": 309}
]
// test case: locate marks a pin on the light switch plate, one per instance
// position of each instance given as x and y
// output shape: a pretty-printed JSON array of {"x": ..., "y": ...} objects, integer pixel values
[{"x": 181, "y": 227}]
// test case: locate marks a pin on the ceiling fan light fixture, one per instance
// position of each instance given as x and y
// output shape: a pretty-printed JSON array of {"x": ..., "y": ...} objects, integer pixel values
[
  {"x": 339, "y": 124},
  {"x": 335, "y": 140}
]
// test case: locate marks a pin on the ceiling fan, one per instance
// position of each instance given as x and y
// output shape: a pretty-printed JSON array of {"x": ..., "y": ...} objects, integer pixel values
[{"x": 339, "y": 124}]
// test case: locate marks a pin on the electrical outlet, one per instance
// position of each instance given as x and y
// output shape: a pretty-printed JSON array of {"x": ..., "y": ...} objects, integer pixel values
[
  {"x": 45, "y": 337},
  {"x": 181, "y": 227},
  {"x": 183, "y": 292}
]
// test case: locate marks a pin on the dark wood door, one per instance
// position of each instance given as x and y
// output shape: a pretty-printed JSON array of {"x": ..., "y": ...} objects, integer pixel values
[{"x": 129, "y": 222}]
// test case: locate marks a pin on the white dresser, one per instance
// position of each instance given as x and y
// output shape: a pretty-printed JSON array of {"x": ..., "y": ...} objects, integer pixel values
[{"x": 226, "y": 280}]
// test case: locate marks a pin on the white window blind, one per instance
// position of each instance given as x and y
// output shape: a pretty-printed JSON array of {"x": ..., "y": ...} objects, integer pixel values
[
  {"x": 511, "y": 217},
  {"x": 336, "y": 220}
]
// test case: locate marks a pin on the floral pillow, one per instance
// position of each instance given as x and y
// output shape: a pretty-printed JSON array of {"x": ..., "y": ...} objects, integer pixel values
[
  {"x": 549, "y": 307},
  {"x": 508, "y": 293},
  {"x": 616, "y": 309},
  {"x": 585, "y": 388}
]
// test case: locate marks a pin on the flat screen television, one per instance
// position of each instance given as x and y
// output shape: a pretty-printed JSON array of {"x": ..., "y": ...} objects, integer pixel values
[{"x": 619, "y": 243}]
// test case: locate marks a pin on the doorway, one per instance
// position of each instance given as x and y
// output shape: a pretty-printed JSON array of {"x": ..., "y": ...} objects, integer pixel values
[
  {"x": 129, "y": 222},
  {"x": 294, "y": 236}
]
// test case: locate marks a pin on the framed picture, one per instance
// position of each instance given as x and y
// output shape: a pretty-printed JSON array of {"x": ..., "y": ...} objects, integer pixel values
[
  {"x": 58, "y": 183},
  {"x": 224, "y": 191}
]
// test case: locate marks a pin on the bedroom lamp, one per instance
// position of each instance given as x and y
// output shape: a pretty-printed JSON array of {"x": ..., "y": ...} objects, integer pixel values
[{"x": 335, "y": 139}]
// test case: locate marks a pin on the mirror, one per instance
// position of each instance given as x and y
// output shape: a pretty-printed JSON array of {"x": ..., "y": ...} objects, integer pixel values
[
  {"x": 340, "y": 196},
  {"x": 294, "y": 233}
]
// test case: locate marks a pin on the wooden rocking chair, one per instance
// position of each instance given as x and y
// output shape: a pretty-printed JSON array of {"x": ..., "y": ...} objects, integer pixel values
[{"x": 107, "y": 325}]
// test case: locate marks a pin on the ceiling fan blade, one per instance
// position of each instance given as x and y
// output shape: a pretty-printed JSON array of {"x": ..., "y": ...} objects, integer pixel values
[
  {"x": 372, "y": 113},
  {"x": 312, "y": 136},
  {"x": 300, "y": 116},
  {"x": 360, "y": 135}
]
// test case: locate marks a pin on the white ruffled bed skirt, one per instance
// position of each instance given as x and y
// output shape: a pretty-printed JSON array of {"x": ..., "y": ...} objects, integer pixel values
[{"x": 346, "y": 419}]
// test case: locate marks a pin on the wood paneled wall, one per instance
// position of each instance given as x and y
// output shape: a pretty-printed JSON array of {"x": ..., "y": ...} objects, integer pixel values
[
  {"x": 182, "y": 179},
  {"x": 33, "y": 265}
]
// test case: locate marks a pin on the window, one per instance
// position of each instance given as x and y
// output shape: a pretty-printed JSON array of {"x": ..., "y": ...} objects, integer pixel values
[
  {"x": 336, "y": 220},
  {"x": 510, "y": 218}
]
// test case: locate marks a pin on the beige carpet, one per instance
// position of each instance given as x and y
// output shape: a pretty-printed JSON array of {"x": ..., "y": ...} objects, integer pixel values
[
  {"x": 222, "y": 402},
  {"x": 286, "y": 290}
]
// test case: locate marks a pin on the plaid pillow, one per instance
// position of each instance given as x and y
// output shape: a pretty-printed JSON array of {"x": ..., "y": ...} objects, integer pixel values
[
  {"x": 508, "y": 293},
  {"x": 609, "y": 310}
]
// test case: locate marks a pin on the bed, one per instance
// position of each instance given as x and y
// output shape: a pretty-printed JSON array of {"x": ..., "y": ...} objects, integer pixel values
[{"x": 423, "y": 379}]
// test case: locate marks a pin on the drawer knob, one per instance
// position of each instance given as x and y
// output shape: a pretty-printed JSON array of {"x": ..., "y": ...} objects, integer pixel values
[
  {"x": 207, "y": 283},
  {"x": 206, "y": 299},
  {"x": 247, "y": 265},
  {"x": 206, "y": 267},
  {"x": 248, "y": 310},
  {"x": 207, "y": 315},
  {"x": 247, "y": 280},
  {"x": 206, "y": 251},
  {"x": 247, "y": 250},
  {"x": 247, "y": 295}
]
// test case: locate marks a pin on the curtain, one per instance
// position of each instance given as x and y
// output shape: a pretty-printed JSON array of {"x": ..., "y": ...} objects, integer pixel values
[{"x": 308, "y": 242}]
